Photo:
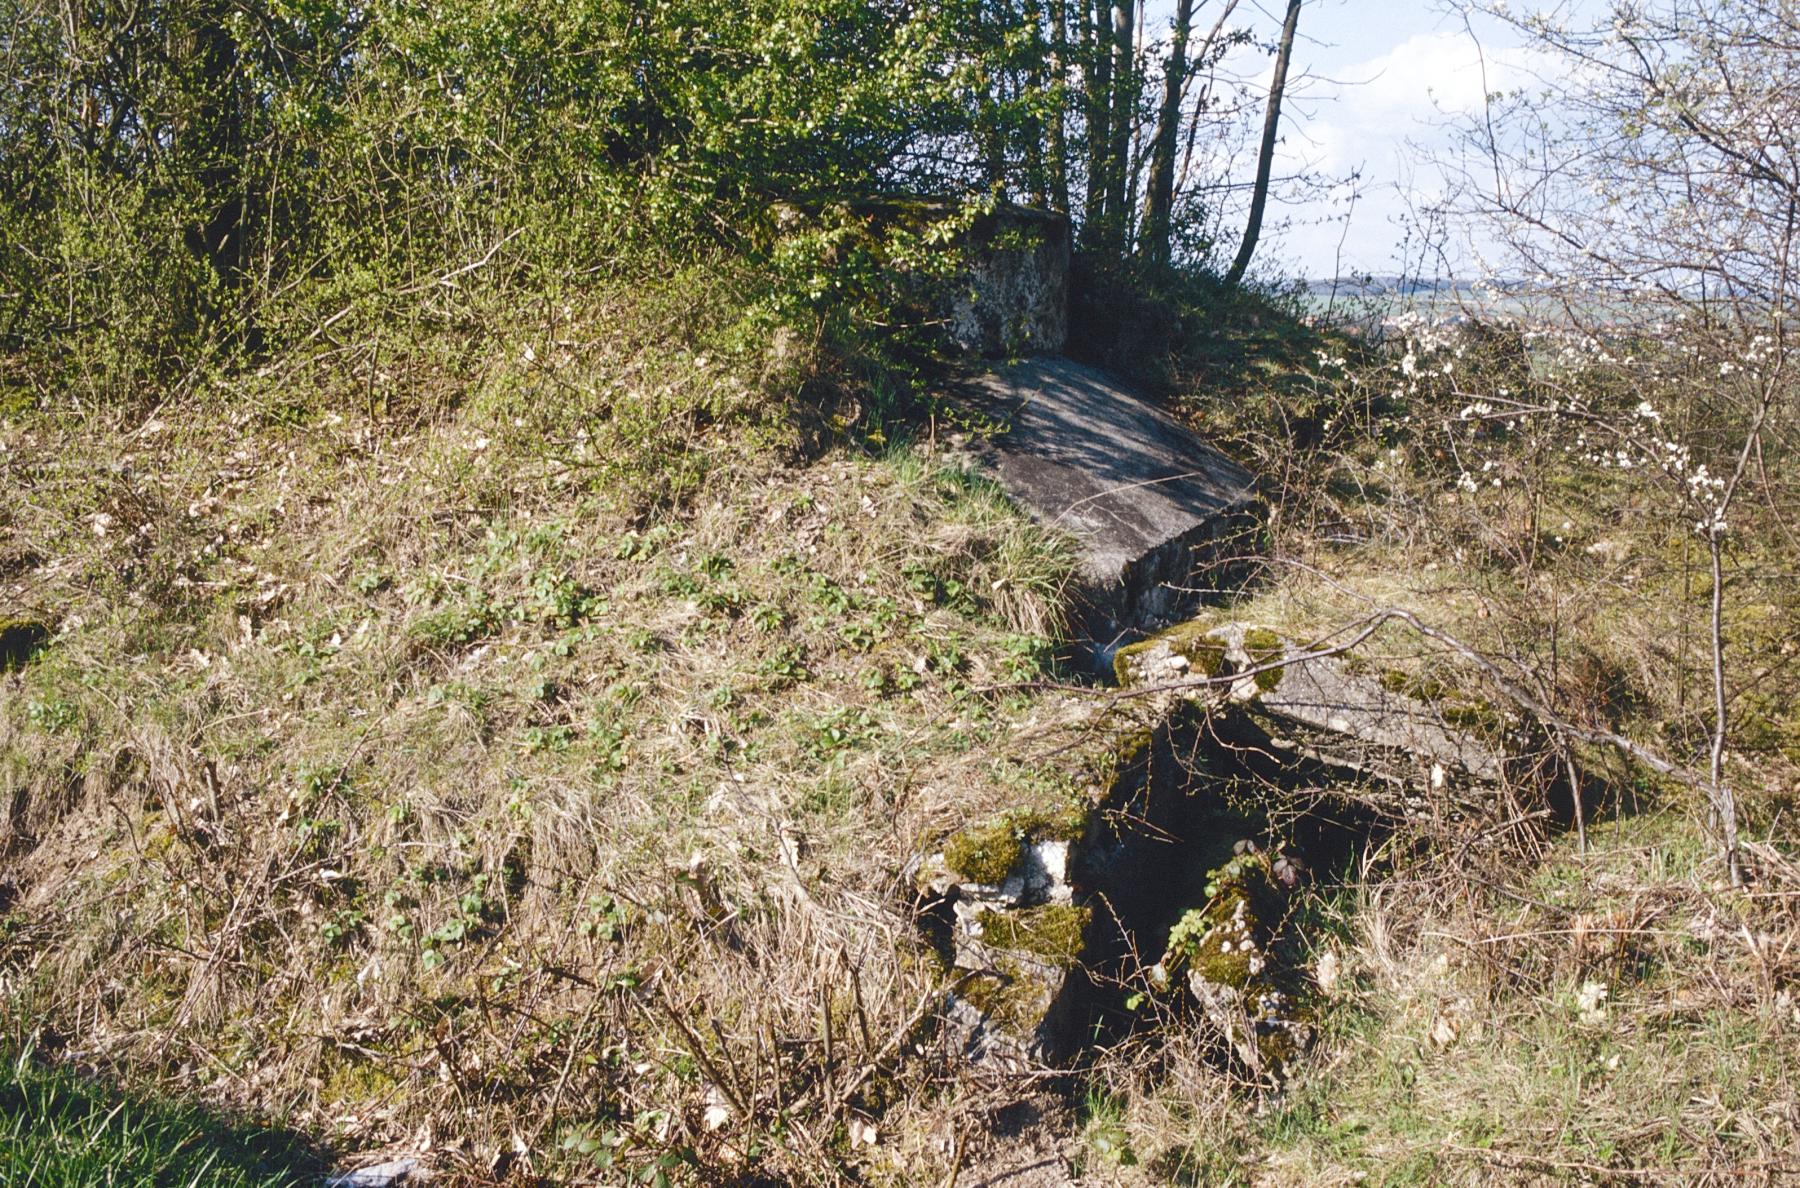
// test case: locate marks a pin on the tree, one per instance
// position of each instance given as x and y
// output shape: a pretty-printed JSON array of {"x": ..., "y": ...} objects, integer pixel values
[
  {"x": 1115, "y": 217},
  {"x": 1159, "y": 193},
  {"x": 1097, "y": 100},
  {"x": 1265, "y": 157},
  {"x": 1651, "y": 183}
]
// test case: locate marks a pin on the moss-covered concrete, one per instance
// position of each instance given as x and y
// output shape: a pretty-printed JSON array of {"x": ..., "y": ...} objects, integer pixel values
[
  {"x": 1221, "y": 953},
  {"x": 987, "y": 853},
  {"x": 1202, "y": 647},
  {"x": 1056, "y": 932},
  {"x": 1458, "y": 708},
  {"x": 1221, "y": 940},
  {"x": 1264, "y": 646},
  {"x": 1192, "y": 641},
  {"x": 1008, "y": 995}
]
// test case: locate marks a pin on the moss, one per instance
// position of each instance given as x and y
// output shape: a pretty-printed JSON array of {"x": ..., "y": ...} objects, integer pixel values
[
  {"x": 355, "y": 1083},
  {"x": 1211, "y": 961},
  {"x": 1474, "y": 715},
  {"x": 1279, "y": 1043},
  {"x": 1229, "y": 943},
  {"x": 1134, "y": 747},
  {"x": 1407, "y": 684},
  {"x": 159, "y": 839},
  {"x": 1191, "y": 640},
  {"x": 1262, "y": 640},
  {"x": 1265, "y": 647},
  {"x": 1067, "y": 824},
  {"x": 1007, "y": 995},
  {"x": 20, "y": 640},
  {"x": 1124, "y": 659},
  {"x": 1243, "y": 899},
  {"x": 1465, "y": 711},
  {"x": 986, "y": 853},
  {"x": 1056, "y": 931}
]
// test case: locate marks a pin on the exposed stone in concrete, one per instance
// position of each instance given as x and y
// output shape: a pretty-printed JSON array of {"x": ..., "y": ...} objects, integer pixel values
[
  {"x": 1015, "y": 297},
  {"x": 381, "y": 1175},
  {"x": 1149, "y": 503},
  {"x": 1353, "y": 720},
  {"x": 1008, "y": 894}
]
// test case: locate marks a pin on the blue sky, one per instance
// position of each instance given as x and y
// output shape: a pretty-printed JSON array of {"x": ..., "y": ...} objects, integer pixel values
[{"x": 1383, "y": 79}]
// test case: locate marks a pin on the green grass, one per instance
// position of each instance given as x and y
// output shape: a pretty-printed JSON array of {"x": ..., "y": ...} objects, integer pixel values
[
  {"x": 456, "y": 686},
  {"x": 57, "y": 1129}
]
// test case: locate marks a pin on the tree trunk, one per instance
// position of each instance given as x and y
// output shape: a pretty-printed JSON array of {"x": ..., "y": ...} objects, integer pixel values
[
  {"x": 992, "y": 133},
  {"x": 1097, "y": 46},
  {"x": 212, "y": 140},
  {"x": 1036, "y": 70},
  {"x": 1159, "y": 193},
  {"x": 1259, "y": 194},
  {"x": 1124, "y": 105},
  {"x": 1056, "y": 133}
]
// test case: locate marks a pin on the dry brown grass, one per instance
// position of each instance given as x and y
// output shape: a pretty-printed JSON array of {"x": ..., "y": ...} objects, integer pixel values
[
  {"x": 526, "y": 769},
  {"x": 528, "y": 780}
]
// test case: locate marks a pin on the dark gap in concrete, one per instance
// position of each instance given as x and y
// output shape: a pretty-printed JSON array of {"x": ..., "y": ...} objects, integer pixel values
[{"x": 1208, "y": 786}]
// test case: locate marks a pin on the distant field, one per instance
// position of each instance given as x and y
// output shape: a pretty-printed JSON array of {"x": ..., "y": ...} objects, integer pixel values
[{"x": 1358, "y": 303}]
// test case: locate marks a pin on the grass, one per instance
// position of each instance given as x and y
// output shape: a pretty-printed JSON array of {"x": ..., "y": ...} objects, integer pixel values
[
  {"x": 1498, "y": 1004},
  {"x": 1597, "y": 1018},
  {"x": 538, "y": 753},
  {"x": 58, "y": 1130},
  {"x": 544, "y": 761},
  {"x": 1605, "y": 1035}
]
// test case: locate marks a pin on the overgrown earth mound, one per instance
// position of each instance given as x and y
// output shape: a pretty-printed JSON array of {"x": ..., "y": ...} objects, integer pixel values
[
  {"x": 549, "y": 634},
  {"x": 531, "y": 790}
]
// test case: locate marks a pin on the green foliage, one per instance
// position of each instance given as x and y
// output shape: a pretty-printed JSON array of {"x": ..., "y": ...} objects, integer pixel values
[
  {"x": 221, "y": 180},
  {"x": 1105, "y": 1130},
  {"x": 54, "y": 715}
]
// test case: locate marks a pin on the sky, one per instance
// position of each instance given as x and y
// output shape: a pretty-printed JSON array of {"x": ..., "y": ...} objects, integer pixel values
[{"x": 1383, "y": 82}]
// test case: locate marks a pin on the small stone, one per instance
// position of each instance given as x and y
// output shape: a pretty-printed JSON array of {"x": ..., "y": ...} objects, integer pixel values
[
  {"x": 381, "y": 1175},
  {"x": 1327, "y": 972}
]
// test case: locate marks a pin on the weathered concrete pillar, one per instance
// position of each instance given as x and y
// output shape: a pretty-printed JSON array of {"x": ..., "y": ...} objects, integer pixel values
[{"x": 1015, "y": 297}]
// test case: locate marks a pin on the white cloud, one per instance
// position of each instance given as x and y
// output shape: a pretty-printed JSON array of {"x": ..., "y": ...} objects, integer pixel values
[{"x": 1387, "y": 116}]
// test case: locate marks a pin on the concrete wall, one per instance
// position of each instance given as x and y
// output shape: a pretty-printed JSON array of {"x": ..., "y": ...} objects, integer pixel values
[{"x": 1015, "y": 298}]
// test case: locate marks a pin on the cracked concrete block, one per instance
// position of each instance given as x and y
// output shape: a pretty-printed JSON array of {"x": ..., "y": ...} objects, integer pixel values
[{"x": 1149, "y": 504}]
